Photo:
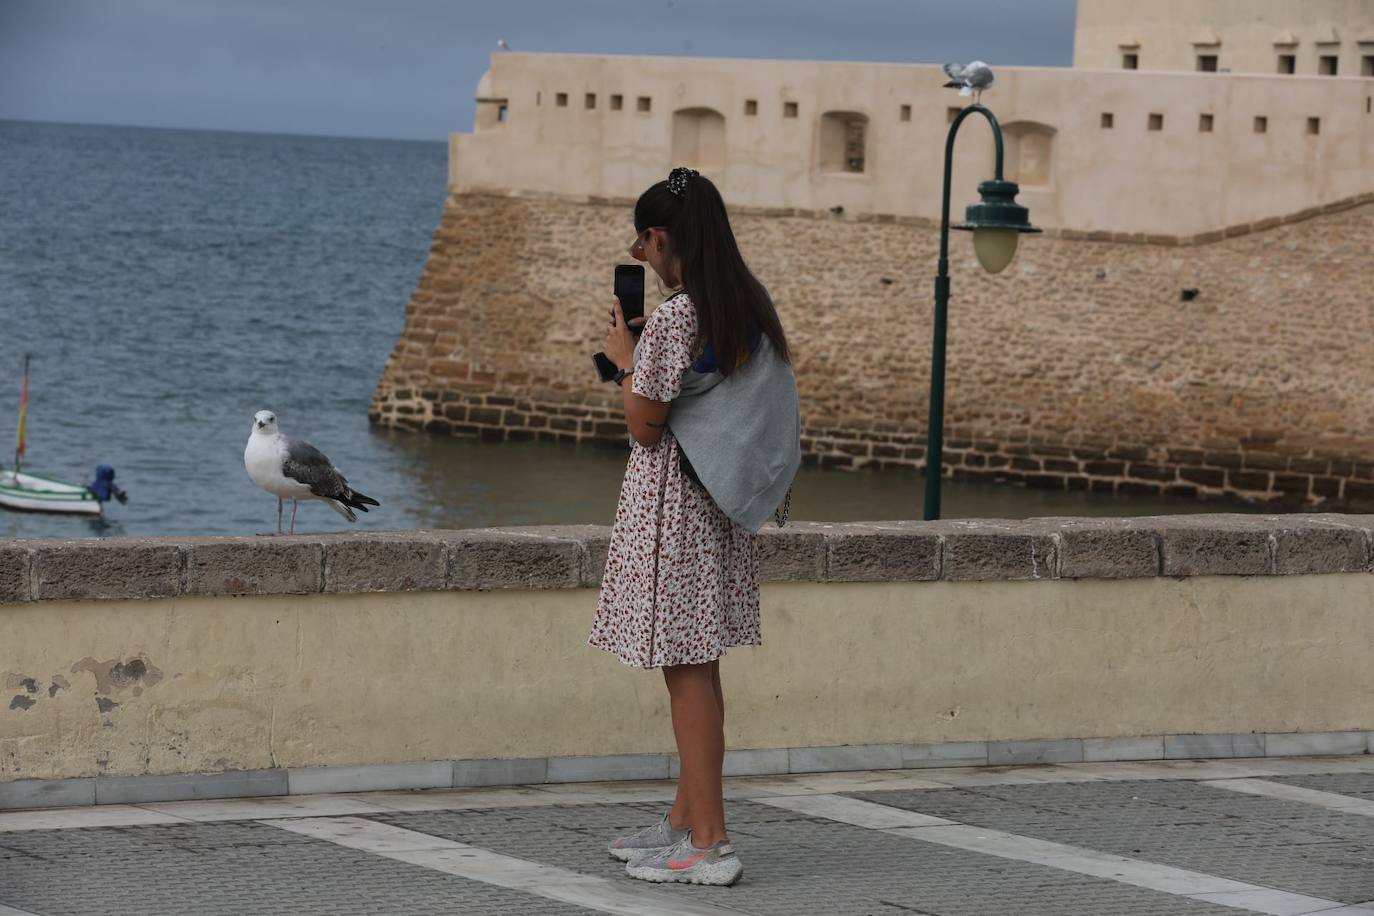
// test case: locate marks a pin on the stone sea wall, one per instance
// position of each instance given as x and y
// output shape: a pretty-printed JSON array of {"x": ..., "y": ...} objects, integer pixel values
[
  {"x": 1232, "y": 364},
  {"x": 151, "y": 669}
]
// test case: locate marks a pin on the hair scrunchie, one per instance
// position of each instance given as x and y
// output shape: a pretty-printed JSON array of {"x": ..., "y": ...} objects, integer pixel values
[{"x": 678, "y": 179}]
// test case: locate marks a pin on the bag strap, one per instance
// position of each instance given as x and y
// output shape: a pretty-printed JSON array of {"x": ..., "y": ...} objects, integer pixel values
[{"x": 780, "y": 514}]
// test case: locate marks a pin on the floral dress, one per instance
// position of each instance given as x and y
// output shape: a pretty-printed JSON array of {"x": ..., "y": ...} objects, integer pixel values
[{"x": 681, "y": 582}]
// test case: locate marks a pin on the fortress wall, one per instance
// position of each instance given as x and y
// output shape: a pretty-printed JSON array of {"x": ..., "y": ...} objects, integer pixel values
[
  {"x": 1079, "y": 367},
  {"x": 1246, "y": 31},
  {"x": 1076, "y": 174}
]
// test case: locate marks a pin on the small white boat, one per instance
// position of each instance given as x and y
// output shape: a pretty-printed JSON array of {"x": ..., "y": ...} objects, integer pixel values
[{"x": 25, "y": 492}]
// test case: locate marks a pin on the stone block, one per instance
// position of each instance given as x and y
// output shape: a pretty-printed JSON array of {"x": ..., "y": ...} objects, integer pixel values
[
  {"x": 47, "y": 793},
  {"x": 137, "y": 790},
  {"x": 14, "y": 574},
  {"x": 996, "y": 549},
  {"x": 515, "y": 771},
  {"x": 1106, "y": 548},
  {"x": 1006, "y": 753},
  {"x": 794, "y": 553},
  {"x": 1213, "y": 545},
  {"x": 1148, "y": 747},
  {"x": 288, "y": 565},
  {"x": 1314, "y": 744},
  {"x": 1306, "y": 546},
  {"x": 598, "y": 769},
  {"x": 388, "y": 561},
  {"x": 376, "y": 777},
  {"x": 870, "y": 553},
  {"x": 948, "y": 754},
  {"x": 844, "y": 758},
  {"x": 1179, "y": 747},
  {"x": 106, "y": 569},
  {"x": 769, "y": 762},
  {"x": 511, "y": 558}
]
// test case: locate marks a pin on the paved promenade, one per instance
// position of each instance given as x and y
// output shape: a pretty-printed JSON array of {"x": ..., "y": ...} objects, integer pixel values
[{"x": 1203, "y": 838}]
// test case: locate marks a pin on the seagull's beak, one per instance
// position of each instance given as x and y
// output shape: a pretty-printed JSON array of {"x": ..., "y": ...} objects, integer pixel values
[{"x": 261, "y": 425}]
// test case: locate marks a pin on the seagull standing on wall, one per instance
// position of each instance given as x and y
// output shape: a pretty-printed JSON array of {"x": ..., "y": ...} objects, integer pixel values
[
  {"x": 501, "y": 43},
  {"x": 969, "y": 79},
  {"x": 290, "y": 469}
]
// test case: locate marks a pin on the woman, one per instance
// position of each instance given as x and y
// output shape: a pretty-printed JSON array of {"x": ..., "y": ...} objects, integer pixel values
[{"x": 711, "y": 405}]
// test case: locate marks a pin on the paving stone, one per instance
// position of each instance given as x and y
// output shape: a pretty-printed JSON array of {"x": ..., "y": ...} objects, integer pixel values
[
  {"x": 286, "y": 565},
  {"x": 839, "y": 759},
  {"x": 233, "y": 868},
  {"x": 1148, "y": 747},
  {"x": 874, "y": 553},
  {"x": 797, "y": 865},
  {"x": 595, "y": 769},
  {"x": 1264, "y": 841},
  {"x": 995, "y": 549},
  {"x": 492, "y": 558},
  {"x": 1004, "y": 753},
  {"x": 1315, "y": 743},
  {"x": 514, "y": 771},
  {"x": 46, "y": 793},
  {"x": 1106, "y": 548},
  {"x": 796, "y": 552},
  {"x": 1213, "y": 545},
  {"x": 14, "y": 574},
  {"x": 1309, "y": 546},
  {"x": 95, "y": 568},
  {"x": 948, "y": 754},
  {"x": 134, "y": 790},
  {"x": 390, "y": 561}
]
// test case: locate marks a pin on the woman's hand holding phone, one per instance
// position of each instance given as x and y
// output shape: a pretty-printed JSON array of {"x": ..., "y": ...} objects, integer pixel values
[{"x": 619, "y": 346}]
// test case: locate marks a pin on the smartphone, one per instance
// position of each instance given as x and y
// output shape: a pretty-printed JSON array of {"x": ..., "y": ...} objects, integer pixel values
[
  {"x": 629, "y": 289},
  {"x": 604, "y": 367}
]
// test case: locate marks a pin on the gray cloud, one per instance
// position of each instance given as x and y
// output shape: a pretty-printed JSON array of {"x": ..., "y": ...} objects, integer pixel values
[{"x": 407, "y": 68}]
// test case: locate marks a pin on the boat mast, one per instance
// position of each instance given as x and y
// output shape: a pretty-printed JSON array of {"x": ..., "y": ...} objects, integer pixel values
[{"x": 23, "y": 413}]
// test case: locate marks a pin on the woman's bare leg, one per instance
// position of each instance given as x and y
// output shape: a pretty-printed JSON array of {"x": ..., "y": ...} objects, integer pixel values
[{"x": 698, "y": 727}]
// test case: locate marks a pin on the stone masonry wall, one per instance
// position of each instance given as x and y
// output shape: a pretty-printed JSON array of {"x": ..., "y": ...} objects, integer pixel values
[{"x": 1083, "y": 366}]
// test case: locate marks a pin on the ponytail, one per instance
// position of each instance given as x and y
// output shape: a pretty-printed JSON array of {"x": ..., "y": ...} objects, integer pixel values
[{"x": 732, "y": 305}]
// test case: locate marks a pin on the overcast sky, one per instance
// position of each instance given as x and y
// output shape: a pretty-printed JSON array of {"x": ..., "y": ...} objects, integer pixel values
[{"x": 408, "y": 68}]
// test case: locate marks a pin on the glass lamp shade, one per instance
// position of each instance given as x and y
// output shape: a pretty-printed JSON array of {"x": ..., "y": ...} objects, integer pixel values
[
  {"x": 995, "y": 248},
  {"x": 995, "y": 221}
]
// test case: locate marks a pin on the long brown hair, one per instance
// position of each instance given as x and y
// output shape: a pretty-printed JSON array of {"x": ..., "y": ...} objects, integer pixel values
[{"x": 731, "y": 303}]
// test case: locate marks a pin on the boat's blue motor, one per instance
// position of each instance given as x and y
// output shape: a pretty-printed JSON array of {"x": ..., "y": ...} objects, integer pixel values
[{"x": 104, "y": 486}]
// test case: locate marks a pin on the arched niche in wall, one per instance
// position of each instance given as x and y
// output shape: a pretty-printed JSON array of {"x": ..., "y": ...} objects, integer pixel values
[
  {"x": 491, "y": 109},
  {"x": 1028, "y": 151},
  {"x": 699, "y": 138},
  {"x": 844, "y": 138}
]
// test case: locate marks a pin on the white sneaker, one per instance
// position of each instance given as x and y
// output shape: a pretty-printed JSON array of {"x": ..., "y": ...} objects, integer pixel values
[
  {"x": 717, "y": 864},
  {"x": 653, "y": 839}
]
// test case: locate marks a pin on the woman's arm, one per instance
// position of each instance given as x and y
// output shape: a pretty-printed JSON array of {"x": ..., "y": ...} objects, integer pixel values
[{"x": 645, "y": 418}]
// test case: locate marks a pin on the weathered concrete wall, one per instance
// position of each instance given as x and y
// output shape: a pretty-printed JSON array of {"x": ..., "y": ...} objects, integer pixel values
[
  {"x": 471, "y": 645},
  {"x": 1245, "y": 35},
  {"x": 1153, "y": 169},
  {"x": 1079, "y": 367}
]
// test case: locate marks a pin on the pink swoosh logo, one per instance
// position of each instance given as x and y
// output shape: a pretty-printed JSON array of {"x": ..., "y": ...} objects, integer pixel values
[{"x": 680, "y": 864}]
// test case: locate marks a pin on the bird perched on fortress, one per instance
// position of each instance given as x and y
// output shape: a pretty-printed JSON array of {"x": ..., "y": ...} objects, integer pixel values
[
  {"x": 969, "y": 79},
  {"x": 501, "y": 44},
  {"x": 290, "y": 469}
]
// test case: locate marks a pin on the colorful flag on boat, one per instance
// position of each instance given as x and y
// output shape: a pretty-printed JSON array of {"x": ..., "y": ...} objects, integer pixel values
[{"x": 23, "y": 412}]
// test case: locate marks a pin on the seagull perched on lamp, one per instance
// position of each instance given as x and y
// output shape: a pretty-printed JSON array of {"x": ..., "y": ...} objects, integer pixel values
[
  {"x": 295, "y": 470},
  {"x": 970, "y": 79}
]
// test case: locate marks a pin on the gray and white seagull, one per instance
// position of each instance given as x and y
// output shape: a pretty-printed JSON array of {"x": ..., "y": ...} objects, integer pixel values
[
  {"x": 295, "y": 470},
  {"x": 969, "y": 78}
]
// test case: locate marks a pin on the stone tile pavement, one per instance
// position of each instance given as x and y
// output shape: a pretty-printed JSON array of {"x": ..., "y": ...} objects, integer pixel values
[{"x": 1196, "y": 838}]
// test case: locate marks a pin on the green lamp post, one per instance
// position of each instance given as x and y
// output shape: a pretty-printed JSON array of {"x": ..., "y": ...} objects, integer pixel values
[{"x": 996, "y": 222}]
